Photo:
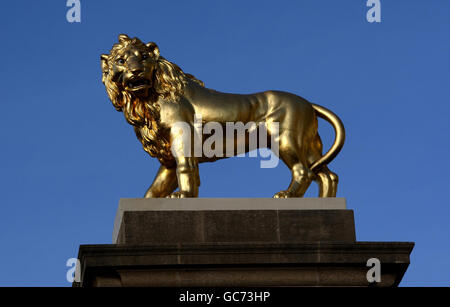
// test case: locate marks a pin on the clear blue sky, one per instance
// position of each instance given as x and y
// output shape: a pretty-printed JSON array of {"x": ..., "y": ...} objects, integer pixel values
[{"x": 67, "y": 156}]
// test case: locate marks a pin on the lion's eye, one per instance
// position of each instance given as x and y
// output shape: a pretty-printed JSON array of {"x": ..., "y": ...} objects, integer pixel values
[
  {"x": 120, "y": 61},
  {"x": 144, "y": 56}
]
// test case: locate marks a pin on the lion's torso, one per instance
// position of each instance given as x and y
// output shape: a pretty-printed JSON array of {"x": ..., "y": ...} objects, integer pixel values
[{"x": 215, "y": 106}]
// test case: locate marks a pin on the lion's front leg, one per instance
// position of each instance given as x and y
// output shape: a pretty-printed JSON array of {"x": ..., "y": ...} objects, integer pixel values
[
  {"x": 188, "y": 178},
  {"x": 180, "y": 117},
  {"x": 165, "y": 182}
]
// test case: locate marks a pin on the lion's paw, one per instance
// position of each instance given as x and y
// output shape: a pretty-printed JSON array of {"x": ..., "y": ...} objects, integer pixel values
[
  {"x": 282, "y": 194},
  {"x": 177, "y": 194}
]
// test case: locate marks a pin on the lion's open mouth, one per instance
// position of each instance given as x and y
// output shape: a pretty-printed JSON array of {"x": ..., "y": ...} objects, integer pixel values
[{"x": 138, "y": 84}]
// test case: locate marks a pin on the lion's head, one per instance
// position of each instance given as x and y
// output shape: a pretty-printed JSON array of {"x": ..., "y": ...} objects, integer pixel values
[
  {"x": 136, "y": 76},
  {"x": 134, "y": 70}
]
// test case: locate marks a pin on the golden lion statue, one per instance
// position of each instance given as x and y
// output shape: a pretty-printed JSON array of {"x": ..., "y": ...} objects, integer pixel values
[{"x": 155, "y": 94}]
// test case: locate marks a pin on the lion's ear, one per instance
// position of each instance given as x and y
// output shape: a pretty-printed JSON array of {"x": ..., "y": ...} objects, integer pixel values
[
  {"x": 104, "y": 61},
  {"x": 123, "y": 38},
  {"x": 105, "y": 67},
  {"x": 153, "y": 48}
]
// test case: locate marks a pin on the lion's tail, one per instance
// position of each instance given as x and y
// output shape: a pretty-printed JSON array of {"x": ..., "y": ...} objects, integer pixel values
[{"x": 338, "y": 127}]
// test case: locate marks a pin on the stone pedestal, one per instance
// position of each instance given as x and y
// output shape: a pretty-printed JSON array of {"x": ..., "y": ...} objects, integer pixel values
[{"x": 238, "y": 242}]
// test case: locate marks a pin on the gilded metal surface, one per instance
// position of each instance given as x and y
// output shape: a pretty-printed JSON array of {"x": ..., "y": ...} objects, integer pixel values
[{"x": 155, "y": 94}]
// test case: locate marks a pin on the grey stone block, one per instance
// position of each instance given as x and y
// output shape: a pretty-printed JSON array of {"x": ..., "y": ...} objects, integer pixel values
[{"x": 157, "y": 221}]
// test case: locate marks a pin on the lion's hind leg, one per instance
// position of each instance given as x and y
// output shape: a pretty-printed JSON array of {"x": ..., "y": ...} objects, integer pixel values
[
  {"x": 295, "y": 158},
  {"x": 324, "y": 183},
  {"x": 327, "y": 181},
  {"x": 334, "y": 183}
]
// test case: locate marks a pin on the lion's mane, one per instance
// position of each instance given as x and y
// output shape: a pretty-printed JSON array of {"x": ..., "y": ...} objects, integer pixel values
[{"x": 144, "y": 114}]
